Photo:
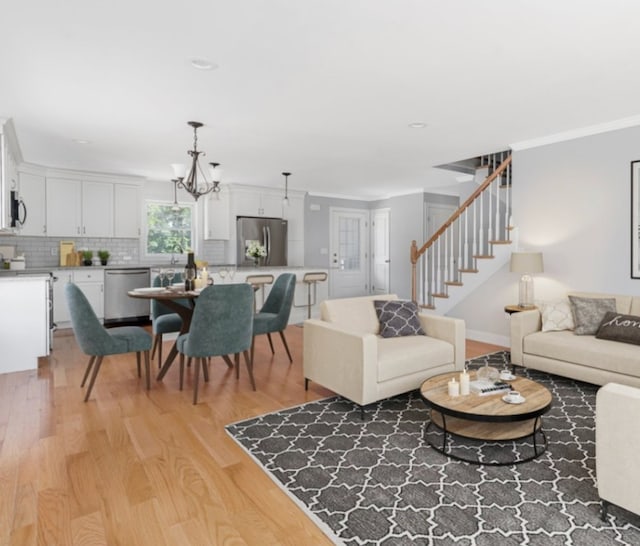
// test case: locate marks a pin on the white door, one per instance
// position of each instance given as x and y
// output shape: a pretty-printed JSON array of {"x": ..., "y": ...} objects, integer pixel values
[
  {"x": 349, "y": 265},
  {"x": 380, "y": 251}
]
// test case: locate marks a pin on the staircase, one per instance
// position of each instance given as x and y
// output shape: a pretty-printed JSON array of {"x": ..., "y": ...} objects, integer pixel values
[{"x": 470, "y": 246}]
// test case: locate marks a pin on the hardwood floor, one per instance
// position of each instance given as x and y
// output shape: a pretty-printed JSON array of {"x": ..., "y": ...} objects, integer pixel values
[{"x": 132, "y": 467}]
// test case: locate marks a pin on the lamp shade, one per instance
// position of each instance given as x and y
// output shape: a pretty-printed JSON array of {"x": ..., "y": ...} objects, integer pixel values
[{"x": 526, "y": 262}]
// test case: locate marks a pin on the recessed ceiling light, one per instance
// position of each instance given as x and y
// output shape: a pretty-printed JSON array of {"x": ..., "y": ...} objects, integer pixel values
[
  {"x": 417, "y": 125},
  {"x": 202, "y": 64},
  {"x": 81, "y": 141}
]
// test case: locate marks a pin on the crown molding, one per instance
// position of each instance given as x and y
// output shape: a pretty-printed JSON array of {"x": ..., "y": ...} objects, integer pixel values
[{"x": 589, "y": 130}]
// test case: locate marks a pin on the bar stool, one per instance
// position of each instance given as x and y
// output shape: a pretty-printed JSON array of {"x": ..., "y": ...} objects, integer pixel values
[
  {"x": 258, "y": 282},
  {"x": 312, "y": 278}
]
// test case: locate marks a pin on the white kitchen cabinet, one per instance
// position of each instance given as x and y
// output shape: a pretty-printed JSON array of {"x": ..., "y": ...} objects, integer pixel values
[
  {"x": 63, "y": 207},
  {"x": 32, "y": 193},
  {"x": 97, "y": 209},
  {"x": 89, "y": 280},
  {"x": 294, "y": 214},
  {"x": 76, "y": 207},
  {"x": 24, "y": 322},
  {"x": 127, "y": 210},
  {"x": 217, "y": 219},
  {"x": 257, "y": 203}
]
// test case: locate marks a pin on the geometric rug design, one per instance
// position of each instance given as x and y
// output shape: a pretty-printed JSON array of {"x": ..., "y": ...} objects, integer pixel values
[{"x": 378, "y": 482}]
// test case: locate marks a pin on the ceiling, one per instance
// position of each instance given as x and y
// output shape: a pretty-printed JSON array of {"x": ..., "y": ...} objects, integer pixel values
[{"x": 325, "y": 89}]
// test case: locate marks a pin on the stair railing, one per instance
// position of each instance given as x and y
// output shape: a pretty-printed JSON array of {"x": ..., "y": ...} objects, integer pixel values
[{"x": 483, "y": 220}]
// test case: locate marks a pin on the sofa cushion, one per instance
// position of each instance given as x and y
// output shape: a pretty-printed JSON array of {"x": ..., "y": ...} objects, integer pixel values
[
  {"x": 617, "y": 327},
  {"x": 584, "y": 350},
  {"x": 399, "y": 356},
  {"x": 556, "y": 315},
  {"x": 589, "y": 312},
  {"x": 398, "y": 318},
  {"x": 354, "y": 314}
]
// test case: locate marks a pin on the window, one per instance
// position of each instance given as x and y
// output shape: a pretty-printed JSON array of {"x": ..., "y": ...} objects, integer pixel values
[{"x": 170, "y": 228}]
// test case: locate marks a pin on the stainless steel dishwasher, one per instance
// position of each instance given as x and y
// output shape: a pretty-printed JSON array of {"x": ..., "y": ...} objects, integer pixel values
[{"x": 118, "y": 306}]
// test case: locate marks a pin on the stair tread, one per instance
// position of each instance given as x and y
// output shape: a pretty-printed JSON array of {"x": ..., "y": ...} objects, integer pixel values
[
  {"x": 468, "y": 270},
  {"x": 453, "y": 283},
  {"x": 427, "y": 306},
  {"x": 483, "y": 256},
  {"x": 441, "y": 295},
  {"x": 501, "y": 242}
]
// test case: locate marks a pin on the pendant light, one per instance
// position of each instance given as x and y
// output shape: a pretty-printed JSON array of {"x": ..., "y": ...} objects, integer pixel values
[{"x": 285, "y": 200}]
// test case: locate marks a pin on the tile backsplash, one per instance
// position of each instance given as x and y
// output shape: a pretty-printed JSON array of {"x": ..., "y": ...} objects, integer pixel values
[{"x": 45, "y": 251}]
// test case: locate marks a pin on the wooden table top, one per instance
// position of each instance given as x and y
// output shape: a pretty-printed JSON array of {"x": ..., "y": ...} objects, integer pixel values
[
  {"x": 162, "y": 294},
  {"x": 489, "y": 407}
]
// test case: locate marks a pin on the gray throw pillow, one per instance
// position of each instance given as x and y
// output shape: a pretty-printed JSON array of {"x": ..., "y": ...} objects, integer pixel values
[
  {"x": 617, "y": 327},
  {"x": 589, "y": 312},
  {"x": 398, "y": 318}
]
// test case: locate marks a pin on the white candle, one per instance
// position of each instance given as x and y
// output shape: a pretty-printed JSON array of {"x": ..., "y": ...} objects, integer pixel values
[
  {"x": 464, "y": 383},
  {"x": 454, "y": 387},
  {"x": 204, "y": 275}
]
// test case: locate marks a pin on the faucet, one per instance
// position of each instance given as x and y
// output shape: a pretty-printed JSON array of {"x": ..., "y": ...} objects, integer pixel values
[{"x": 174, "y": 260}]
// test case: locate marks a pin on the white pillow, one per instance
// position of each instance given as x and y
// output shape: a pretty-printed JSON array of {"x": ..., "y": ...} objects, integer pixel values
[{"x": 556, "y": 315}]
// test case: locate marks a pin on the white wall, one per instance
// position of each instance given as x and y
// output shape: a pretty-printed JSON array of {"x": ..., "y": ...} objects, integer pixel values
[{"x": 571, "y": 200}]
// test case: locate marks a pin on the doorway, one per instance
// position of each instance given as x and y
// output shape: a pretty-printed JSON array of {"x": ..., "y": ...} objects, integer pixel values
[
  {"x": 380, "y": 280},
  {"x": 349, "y": 260}
]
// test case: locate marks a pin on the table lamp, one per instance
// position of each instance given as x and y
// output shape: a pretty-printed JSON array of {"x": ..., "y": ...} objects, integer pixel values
[{"x": 526, "y": 263}]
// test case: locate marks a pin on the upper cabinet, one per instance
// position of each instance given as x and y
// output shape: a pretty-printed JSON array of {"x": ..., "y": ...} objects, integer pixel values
[
  {"x": 217, "y": 217},
  {"x": 127, "y": 210},
  {"x": 79, "y": 208},
  {"x": 32, "y": 193},
  {"x": 257, "y": 202}
]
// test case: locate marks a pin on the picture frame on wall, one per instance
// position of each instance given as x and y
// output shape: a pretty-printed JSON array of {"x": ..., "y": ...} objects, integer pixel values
[{"x": 635, "y": 219}]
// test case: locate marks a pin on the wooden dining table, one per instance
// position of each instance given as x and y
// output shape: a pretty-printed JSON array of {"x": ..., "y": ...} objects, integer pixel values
[{"x": 171, "y": 298}]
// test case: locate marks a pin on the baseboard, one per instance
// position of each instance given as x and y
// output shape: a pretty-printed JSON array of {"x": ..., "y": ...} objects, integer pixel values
[{"x": 488, "y": 337}]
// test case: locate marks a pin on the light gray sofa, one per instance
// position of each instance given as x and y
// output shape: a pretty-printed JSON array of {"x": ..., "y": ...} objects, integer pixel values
[
  {"x": 344, "y": 352},
  {"x": 582, "y": 357}
]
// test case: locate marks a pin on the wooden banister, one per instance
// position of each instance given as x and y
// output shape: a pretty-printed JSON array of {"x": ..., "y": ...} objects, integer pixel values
[{"x": 416, "y": 252}]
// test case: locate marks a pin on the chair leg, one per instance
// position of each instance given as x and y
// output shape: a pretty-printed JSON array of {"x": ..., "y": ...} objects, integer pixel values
[
  {"x": 96, "y": 369},
  {"x": 156, "y": 341},
  {"x": 306, "y": 383},
  {"x": 138, "y": 363},
  {"x": 195, "y": 381},
  {"x": 253, "y": 346},
  {"x": 181, "y": 370},
  {"x": 284, "y": 341},
  {"x": 147, "y": 370},
  {"x": 249, "y": 363},
  {"x": 227, "y": 361},
  {"x": 205, "y": 369},
  {"x": 86, "y": 372},
  {"x": 160, "y": 351},
  {"x": 270, "y": 343},
  {"x": 236, "y": 358}
]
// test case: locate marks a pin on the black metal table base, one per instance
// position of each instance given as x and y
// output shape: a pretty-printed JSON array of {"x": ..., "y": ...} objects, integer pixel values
[{"x": 538, "y": 448}]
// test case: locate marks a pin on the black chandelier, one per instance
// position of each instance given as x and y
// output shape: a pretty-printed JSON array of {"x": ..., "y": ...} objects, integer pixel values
[
  {"x": 196, "y": 184},
  {"x": 285, "y": 200}
]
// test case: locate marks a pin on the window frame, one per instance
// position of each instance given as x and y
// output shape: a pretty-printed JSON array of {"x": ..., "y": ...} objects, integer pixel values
[{"x": 160, "y": 257}]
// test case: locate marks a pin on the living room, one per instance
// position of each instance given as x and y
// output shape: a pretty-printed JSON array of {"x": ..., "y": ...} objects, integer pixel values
[{"x": 132, "y": 466}]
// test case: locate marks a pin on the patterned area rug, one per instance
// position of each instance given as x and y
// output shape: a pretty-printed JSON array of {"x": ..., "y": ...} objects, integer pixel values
[{"x": 377, "y": 481}]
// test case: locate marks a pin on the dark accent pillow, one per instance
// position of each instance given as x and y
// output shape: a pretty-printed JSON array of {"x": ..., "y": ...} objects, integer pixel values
[
  {"x": 589, "y": 312},
  {"x": 617, "y": 327},
  {"x": 398, "y": 318}
]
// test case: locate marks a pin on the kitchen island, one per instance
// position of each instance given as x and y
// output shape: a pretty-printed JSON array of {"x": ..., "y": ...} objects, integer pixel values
[{"x": 24, "y": 321}]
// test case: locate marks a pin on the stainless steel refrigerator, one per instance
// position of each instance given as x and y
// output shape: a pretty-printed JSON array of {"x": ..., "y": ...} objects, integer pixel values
[{"x": 270, "y": 232}]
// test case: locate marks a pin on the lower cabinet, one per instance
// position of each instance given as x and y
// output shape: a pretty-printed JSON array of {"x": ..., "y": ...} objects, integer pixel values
[{"x": 89, "y": 280}]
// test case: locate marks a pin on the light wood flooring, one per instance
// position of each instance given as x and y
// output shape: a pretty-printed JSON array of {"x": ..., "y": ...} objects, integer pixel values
[{"x": 132, "y": 467}]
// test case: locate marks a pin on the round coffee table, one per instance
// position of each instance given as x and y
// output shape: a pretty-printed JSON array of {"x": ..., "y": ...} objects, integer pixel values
[{"x": 486, "y": 417}]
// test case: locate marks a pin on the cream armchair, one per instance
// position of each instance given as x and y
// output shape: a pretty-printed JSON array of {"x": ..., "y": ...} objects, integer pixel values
[
  {"x": 617, "y": 447},
  {"x": 343, "y": 352}
]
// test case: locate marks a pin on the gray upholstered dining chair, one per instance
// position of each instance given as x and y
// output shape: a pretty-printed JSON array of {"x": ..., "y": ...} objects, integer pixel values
[
  {"x": 222, "y": 324},
  {"x": 274, "y": 314},
  {"x": 97, "y": 342},
  {"x": 164, "y": 320}
]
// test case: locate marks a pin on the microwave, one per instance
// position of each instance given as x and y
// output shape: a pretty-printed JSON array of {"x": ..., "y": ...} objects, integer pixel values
[{"x": 18, "y": 210}]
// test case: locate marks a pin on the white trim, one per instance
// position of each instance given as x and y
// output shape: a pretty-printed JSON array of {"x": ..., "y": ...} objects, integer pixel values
[
  {"x": 590, "y": 130},
  {"x": 488, "y": 337},
  {"x": 361, "y": 198}
]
